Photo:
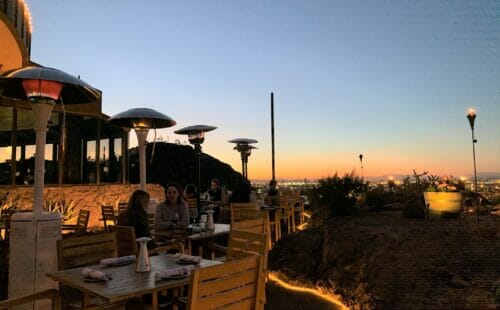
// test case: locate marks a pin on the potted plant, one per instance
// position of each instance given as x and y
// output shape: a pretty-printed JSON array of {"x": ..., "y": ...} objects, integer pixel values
[{"x": 443, "y": 197}]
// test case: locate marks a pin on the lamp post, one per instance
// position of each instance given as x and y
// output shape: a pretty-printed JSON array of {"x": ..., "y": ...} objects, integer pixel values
[
  {"x": 243, "y": 145},
  {"x": 471, "y": 116},
  {"x": 196, "y": 136},
  {"x": 141, "y": 120},
  {"x": 33, "y": 251}
]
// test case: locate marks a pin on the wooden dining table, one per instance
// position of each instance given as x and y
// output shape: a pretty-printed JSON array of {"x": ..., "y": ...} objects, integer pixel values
[
  {"x": 189, "y": 236},
  {"x": 126, "y": 283}
]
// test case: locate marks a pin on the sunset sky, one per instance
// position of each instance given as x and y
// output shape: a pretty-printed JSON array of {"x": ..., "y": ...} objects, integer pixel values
[{"x": 389, "y": 79}]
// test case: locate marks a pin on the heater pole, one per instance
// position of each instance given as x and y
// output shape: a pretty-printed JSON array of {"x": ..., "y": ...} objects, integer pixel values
[{"x": 272, "y": 134}]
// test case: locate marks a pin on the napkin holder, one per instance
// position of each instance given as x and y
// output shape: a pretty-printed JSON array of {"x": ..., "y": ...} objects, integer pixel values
[{"x": 143, "y": 264}]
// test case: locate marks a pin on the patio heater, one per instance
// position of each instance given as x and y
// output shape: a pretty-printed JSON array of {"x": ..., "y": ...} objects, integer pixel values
[
  {"x": 33, "y": 250},
  {"x": 244, "y": 146},
  {"x": 141, "y": 120},
  {"x": 196, "y": 136}
]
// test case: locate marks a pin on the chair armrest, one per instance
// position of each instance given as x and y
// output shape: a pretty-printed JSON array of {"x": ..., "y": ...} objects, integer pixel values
[
  {"x": 217, "y": 248},
  {"x": 51, "y": 294},
  {"x": 162, "y": 249}
]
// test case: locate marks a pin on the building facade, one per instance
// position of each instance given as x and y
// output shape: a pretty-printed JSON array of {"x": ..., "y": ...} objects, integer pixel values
[{"x": 81, "y": 147}]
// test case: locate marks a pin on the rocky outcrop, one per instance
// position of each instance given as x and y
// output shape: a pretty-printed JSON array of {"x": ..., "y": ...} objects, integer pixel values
[{"x": 384, "y": 261}]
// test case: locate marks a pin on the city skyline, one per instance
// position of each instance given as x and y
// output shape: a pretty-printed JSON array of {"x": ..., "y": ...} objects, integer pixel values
[{"x": 391, "y": 81}]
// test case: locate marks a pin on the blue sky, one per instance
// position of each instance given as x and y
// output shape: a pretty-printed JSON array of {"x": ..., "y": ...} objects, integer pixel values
[{"x": 389, "y": 79}]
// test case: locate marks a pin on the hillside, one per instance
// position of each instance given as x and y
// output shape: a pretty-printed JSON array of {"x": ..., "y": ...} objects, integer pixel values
[
  {"x": 386, "y": 262},
  {"x": 175, "y": 162}
]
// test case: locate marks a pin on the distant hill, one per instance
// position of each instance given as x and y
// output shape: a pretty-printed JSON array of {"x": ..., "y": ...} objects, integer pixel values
[{"x": 177, "y": 163}]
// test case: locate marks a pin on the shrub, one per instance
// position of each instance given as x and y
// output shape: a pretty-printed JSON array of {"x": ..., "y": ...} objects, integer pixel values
[{"x": 336, "y": 196}]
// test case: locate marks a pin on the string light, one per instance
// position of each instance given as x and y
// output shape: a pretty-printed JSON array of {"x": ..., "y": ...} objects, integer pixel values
[{"x": 327, "y": 297}]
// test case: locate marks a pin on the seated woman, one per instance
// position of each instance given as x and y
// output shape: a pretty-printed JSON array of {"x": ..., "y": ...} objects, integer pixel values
[
  {"x": 189, "y": 191},
  {"x": 242, "y": 192},
  {"x": 135, "y": 215},
  {"x": 174, "y": 212}
]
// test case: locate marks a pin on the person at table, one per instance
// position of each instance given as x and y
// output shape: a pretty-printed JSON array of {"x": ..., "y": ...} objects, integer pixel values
[
  {"x": 214, "y": 195},
  {"x": 272, "y": 196},
  {"x": 135, "y": 215},
  {"x": 189, "y": 191},
  {"x": 242, "y": 192},
  {"x": 173, "y": 213}
]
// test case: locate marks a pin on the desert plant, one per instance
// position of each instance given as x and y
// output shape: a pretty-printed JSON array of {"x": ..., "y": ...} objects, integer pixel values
[
  {"x": 414, "y": 207},
  {"x": 67, "y": 208},
  {"x": 336, "y": 196}
]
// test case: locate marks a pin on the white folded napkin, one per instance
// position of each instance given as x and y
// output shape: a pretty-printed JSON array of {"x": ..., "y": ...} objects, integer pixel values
[
  {"x": 188, "y": 258},
  {"x": 117, "y": 260},
  {"x": 174, "y": 272},
  {"x": 96, "y": 274}
]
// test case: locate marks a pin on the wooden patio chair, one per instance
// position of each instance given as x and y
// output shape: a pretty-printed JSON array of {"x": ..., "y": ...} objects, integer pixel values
[
  {"x": 51, "y": 294},
  {"x": 84, "y": 251},
  {"x": 108, "y": 215},
  {"x": 231, "y": 285},
  {"x": 125, "y": 240},
  {"x": 287, "y": 213},
  {"x": 298, "y": 206},
  {"x": 81, "y": 223}
]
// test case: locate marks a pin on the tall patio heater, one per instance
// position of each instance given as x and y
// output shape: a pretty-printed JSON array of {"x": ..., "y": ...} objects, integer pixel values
[
  {"x": 33, "y": 250},
  {"x": 244, "y": 146},
  {"x": 196, "y": 136},
  {"x": 141, "y": 120}
]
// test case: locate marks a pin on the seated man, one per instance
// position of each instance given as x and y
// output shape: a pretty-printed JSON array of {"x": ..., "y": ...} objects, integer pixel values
[
  {"x": 272, "y": 196},
  {"x": 214, "y": 194}
]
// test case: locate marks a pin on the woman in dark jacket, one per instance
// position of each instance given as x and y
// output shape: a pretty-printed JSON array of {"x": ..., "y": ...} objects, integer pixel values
[{"x": 135, "y": 215}]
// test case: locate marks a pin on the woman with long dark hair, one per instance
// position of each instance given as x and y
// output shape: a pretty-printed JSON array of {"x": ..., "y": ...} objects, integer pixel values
[
  {"x": 135, "y": 215},
  {"x": 174, "y": 212}
]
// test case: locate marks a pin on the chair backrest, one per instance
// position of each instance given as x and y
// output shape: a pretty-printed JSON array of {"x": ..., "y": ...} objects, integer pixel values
[
  {"x": 108, "y": 214},
  {"x": 231, "y": 285},
  {"x": 245, "y": 205},
  {"x": 85, "y": 250},
  {"x": 248, "y": 220},
  {"x": 244, "y": 243},
  {"x": 125, "y": 240},
  {"x": 51, "y": 294},
  {"x": 83, "y": 219},
  {"x": 5, "y": 217},
  {"x": 193, "y": 211},
  {"x": 122, "y": 206},
  {"x": 151, "y": 222}
]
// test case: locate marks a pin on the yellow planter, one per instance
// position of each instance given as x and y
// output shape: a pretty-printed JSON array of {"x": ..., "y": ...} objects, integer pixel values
[{"x": 443, "y": 204}]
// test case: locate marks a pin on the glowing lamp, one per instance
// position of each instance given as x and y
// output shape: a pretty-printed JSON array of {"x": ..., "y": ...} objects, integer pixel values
[
  {"x": 141, "y": 120},
  {"x": 42, "y": 89}
]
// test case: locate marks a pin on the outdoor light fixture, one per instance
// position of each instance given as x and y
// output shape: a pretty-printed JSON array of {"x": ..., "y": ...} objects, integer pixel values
[
  {"x": 471, "y": 115},
  {"x": 243, "y": 145},
  {"x": 33, "y": 244},
  {"x": 141, "y": 120},
  {"x": 43, "y": 88},
  {"x": 196, "y": 136}
]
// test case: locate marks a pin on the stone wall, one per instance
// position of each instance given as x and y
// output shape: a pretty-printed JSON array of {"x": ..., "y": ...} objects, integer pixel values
[{"x": 76, "y": 197}]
